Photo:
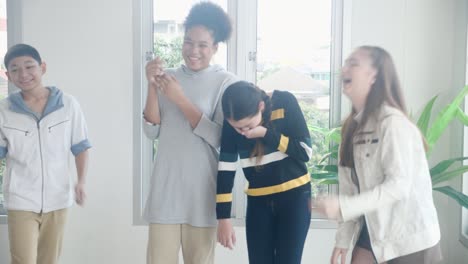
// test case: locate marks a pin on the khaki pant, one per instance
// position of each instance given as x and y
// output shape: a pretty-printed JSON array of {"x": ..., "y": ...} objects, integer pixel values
[
  {"x": 36, "y": 238},
  {"x": 164, "y": 243}
]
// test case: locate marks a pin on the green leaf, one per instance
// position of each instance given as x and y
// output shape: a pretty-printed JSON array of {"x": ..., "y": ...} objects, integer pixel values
[
  {"x": 461, "y": 198},
  {"x": 324, "y": 175},
  {"x": 328, "y": 181},
  {"x": 445, "y": 164},
  {"x": 444, "y": 118},
  {"x": 334, "y": 148},
  {"x": 462, "y": 117},
  {"x": 335, "y": 135},
  {"x": 330, "y": 168},
  {"x": 331, "y": 154},
  {"x": 321, "y": 130},
  {"x": 423, "y": 121},
  {"x": 445, "y": 176}
]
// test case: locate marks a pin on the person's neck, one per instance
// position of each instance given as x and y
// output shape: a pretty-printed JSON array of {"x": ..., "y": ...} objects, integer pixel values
[
  {"x": 359, "y": 106},
  {"x": 36, "y": 94}
]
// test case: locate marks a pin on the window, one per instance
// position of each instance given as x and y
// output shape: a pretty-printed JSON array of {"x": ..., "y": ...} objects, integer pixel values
[
  {"x": 464, "y": 220},
  {"x": 293, "y": 54},
  {"x": 3, "y": 82},
  {"x": 10, "y": 33},
  {"x": 281, "y": 47},
  {"x": 464, "y": 211}
]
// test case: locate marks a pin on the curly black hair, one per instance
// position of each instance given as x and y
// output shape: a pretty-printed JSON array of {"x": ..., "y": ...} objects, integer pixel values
[{"x": 211, "y": 16}]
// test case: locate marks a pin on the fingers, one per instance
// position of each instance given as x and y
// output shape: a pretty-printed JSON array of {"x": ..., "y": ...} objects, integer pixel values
[
  {"x": 227, "y": 241},
  {"x": 154, "y": 68},
  {"x": 234, "y": 239},
  {"x": 231, "y": 240},
  {"x": 317, "y": 204},
  {"x": 167, "y": 82},
  {"x": 338, "y": 253},
  {"x": 324, "y": 206},
  {"x": 229, "y": 244},
  {"x": 162, "y": 83},
  {"x": 172, "y": 78},
  {"x": 80, "y": 196},
  {"x": 226, "y": 235}
]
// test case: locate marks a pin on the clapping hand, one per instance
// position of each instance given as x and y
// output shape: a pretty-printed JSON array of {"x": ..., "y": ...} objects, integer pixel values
[
  {"x": 154, "y": 69},
  {"x": 329, "y": 206}
]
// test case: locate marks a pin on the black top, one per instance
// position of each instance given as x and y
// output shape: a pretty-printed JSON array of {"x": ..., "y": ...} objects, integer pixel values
[{"x": 282, "y": 168}]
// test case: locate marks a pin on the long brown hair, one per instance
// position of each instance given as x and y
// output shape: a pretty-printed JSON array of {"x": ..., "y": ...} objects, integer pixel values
[
  {"x": 385, "y": 89},
  {"x": 241, "y": 100}
]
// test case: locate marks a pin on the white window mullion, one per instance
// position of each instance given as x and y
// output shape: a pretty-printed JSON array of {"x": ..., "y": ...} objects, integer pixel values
[
  {"x": 232, "y": 42},
  {"x": 142, "y": 147},
  {"x": 15, "y": 28},
  {"x": 246, "y": 39}
]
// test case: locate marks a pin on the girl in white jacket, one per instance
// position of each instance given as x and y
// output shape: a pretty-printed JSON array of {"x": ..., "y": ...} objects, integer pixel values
[{"x": 385, "y": 207}]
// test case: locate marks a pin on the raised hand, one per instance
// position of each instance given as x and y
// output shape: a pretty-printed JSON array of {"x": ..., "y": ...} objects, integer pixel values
[
  {"x": 256, "y": 132},
  {"x": 154, "y": 69},
  {"x": 170, "y": 87},
  {"x": 329, "y": 207}
]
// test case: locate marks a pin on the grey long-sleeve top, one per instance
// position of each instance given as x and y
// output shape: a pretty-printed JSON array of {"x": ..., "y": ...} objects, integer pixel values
[{"x": 183, "y": 183}]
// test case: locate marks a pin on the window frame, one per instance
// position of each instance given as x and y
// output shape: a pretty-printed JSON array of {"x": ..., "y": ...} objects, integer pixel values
[
  {"x": 463, "y": 237},
  {"x": 464, "y": 212},
  {"x": 236, "y": 63},
  {"x": 142, "y": 146},
  {"x": 14, "y": 35}
]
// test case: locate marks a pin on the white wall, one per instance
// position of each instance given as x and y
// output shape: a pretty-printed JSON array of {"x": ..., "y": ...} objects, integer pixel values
[{"x": 88, "y": 47}]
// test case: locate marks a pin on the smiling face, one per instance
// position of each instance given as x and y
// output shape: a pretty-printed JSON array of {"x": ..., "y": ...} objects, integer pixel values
[
  {"x": 358, "y": 76},
  {"x": 25, "y": 73},
  {"x": 198, "y": 48},
  {"x": 248, "y": 123}
]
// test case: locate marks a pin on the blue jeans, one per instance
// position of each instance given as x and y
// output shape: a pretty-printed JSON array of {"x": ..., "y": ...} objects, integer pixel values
[{"x": 277, "y": 226}]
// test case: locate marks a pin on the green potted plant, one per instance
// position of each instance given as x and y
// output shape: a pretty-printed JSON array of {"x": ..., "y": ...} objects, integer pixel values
[{"x": 327, "y": 173}]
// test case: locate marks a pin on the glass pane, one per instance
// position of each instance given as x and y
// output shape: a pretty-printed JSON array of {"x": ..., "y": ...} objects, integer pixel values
[
  {"x": 3, "y": 81},
  {"x": 293, "y": 54},
  {"x": 168, "y": 19}
]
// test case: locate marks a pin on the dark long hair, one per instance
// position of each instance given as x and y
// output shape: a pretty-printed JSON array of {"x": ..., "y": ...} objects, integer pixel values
[
  {"x": 241, "y": 100},
  {"x": 386, "y": 89}
]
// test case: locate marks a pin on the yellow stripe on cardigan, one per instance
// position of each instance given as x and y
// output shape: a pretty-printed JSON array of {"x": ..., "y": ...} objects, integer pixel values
[
  {"x": 277, "y": 114},
  {"x": 224, "y": 198},
  {"x": 286, "y": 186},
  {"x": 283, "y": 145}
]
